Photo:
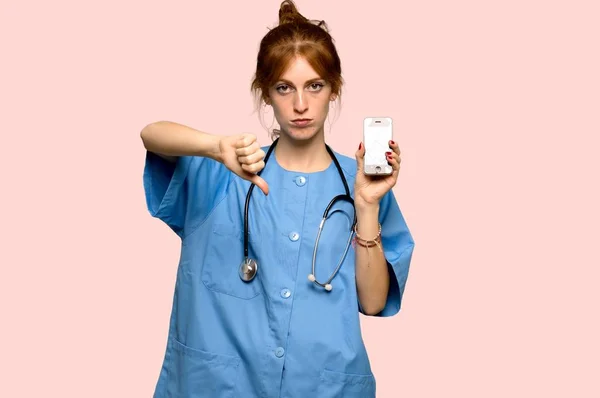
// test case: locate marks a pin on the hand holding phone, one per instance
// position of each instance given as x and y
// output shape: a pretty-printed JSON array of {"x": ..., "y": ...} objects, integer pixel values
[{"x": 377, "y": 133}]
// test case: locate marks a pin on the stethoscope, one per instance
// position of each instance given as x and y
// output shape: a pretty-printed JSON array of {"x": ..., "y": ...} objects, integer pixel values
[{"x": 249, "y": 266}]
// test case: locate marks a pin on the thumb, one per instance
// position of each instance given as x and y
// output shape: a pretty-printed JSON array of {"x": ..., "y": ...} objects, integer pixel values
[
  {"x": 244, "y": 140},
  {"x": 360, "y": 157},
  {"x": 261, "y": 183}
]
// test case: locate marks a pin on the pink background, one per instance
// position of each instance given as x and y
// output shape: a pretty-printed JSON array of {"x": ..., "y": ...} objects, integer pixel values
[{"x": 496, "y": 109}]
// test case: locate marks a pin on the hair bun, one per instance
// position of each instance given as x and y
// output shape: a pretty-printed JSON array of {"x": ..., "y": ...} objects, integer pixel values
[{"x": 288, "y": 13}]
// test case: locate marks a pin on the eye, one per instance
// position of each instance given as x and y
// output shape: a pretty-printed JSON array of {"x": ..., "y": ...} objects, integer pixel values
[
  {"x": 282, "y": 88},
  {"x": 316, "y": 86}
]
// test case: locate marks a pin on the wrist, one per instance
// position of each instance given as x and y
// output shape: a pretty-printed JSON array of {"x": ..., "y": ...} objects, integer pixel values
[
  {"x": 212, "y": 147},
  {"x": 367, "y": 217},
  {"x": 365, "y": 207}
]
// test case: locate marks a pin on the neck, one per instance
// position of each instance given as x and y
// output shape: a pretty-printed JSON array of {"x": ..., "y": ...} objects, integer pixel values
[{"x": 307, "y": 156}]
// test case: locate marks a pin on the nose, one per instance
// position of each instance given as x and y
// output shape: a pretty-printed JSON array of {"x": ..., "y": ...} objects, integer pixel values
[{"x": 300, "y": 102}]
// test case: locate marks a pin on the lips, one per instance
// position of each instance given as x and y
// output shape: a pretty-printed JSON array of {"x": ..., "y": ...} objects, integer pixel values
[{"x": 301, "y": 122}]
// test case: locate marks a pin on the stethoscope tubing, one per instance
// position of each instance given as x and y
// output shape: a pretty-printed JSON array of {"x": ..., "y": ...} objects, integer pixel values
[{"x": 345, "y": 197}]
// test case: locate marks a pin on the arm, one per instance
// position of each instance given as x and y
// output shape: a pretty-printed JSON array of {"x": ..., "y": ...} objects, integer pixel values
[
  {"x": 372, "y": 277},
  {"x": 170, "y": 140},
  {"x": 239, "y": 153},
  {"x": 372, "y": 274}
]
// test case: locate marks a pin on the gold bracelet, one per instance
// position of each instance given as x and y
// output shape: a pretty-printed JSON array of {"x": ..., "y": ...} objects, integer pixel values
[
  {"x": 367, "y": 242},
  {"x": 378, "y": 237}
]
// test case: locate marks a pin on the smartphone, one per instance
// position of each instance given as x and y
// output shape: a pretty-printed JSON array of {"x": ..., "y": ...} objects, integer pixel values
[{"x": 377, "y": 133}]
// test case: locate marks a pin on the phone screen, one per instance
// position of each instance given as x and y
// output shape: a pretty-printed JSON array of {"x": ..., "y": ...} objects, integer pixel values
[{"x": 377, "y": 135}]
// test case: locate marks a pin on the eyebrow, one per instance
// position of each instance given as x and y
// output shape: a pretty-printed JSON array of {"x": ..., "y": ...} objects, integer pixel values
[{"x": 315, "y": 79}]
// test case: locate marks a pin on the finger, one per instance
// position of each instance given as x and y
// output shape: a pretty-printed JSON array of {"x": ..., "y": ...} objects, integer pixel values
[
  {"x": 254, "y": 167},
  {"x": 252, "y": 158},
  {"x": 393, "y": 155},
  {"x": 360, "y": 157},
  {"x": 394, "y": 161},
  {"x": 394, "y": 147},
  {"x": 248, "y": 150},
  {"x": 262, "y": 184},
  {"x": 245, "y": 140}
]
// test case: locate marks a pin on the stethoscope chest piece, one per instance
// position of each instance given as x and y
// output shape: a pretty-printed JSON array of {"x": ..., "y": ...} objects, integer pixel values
[{"x": 248, "y": 269}]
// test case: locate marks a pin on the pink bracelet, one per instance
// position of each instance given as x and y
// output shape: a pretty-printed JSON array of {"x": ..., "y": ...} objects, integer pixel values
[{"x": 367, "y": 243}]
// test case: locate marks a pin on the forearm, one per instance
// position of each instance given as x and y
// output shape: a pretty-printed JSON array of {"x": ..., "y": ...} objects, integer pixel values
[
  {"x": 372, "y": 276},
  {"x": 173, "y": 139}
]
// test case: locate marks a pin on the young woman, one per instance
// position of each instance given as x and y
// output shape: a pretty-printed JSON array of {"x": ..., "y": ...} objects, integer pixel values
[{"x": 256, "y": 312}]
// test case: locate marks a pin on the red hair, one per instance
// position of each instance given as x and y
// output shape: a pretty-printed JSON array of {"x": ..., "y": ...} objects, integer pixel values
[{"x": 296, "y": 36}]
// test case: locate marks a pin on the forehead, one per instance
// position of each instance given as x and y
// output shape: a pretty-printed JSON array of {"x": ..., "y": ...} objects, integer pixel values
[{"x": 299, "y": 71}]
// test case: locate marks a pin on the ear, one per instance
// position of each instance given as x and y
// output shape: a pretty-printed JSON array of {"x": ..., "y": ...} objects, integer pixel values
[{"x": 333, "y": 97}]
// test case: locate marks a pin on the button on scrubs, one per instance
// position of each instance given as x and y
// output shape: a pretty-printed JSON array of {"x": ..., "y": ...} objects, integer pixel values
[{"x": 279, "y": 335}]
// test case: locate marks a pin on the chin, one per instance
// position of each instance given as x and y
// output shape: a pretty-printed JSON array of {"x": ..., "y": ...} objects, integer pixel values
[{"x": 301, "y": 133}]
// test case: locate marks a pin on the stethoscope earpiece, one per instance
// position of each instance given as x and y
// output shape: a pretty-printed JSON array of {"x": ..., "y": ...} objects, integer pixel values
[{"x": 327, "y": 286}]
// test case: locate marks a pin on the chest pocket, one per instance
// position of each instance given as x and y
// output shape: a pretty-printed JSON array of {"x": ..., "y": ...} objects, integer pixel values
[{"x": 225, "y": 253}]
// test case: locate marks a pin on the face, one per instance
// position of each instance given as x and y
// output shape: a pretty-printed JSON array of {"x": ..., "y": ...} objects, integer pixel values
[{"x": 300, "y": 101}]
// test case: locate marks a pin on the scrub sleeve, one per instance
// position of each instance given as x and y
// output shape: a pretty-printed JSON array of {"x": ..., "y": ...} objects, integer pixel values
[
  {"x": 183, "y": 193},
  {"x": 398, "y": 246}
]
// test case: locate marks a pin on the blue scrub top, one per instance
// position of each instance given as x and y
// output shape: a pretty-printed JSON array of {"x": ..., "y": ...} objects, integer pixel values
[{"x": 279, "y": 335}]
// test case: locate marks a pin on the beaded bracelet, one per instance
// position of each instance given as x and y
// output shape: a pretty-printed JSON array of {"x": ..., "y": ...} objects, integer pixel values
[{"x": 367, "y": 243}]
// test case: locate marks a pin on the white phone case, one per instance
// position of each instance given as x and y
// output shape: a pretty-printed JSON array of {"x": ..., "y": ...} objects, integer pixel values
[{"x": 377, "y": 133}]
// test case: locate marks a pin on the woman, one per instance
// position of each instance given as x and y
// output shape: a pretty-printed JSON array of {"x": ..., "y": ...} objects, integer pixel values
[{"x": 278, "y": 328}]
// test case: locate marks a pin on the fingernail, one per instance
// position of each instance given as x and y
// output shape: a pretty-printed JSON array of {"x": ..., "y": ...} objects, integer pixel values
[
  {"x": 392, "y": 142},
  {"x": 360, "y": 146},
  {"x": 388, "y": 153}
]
